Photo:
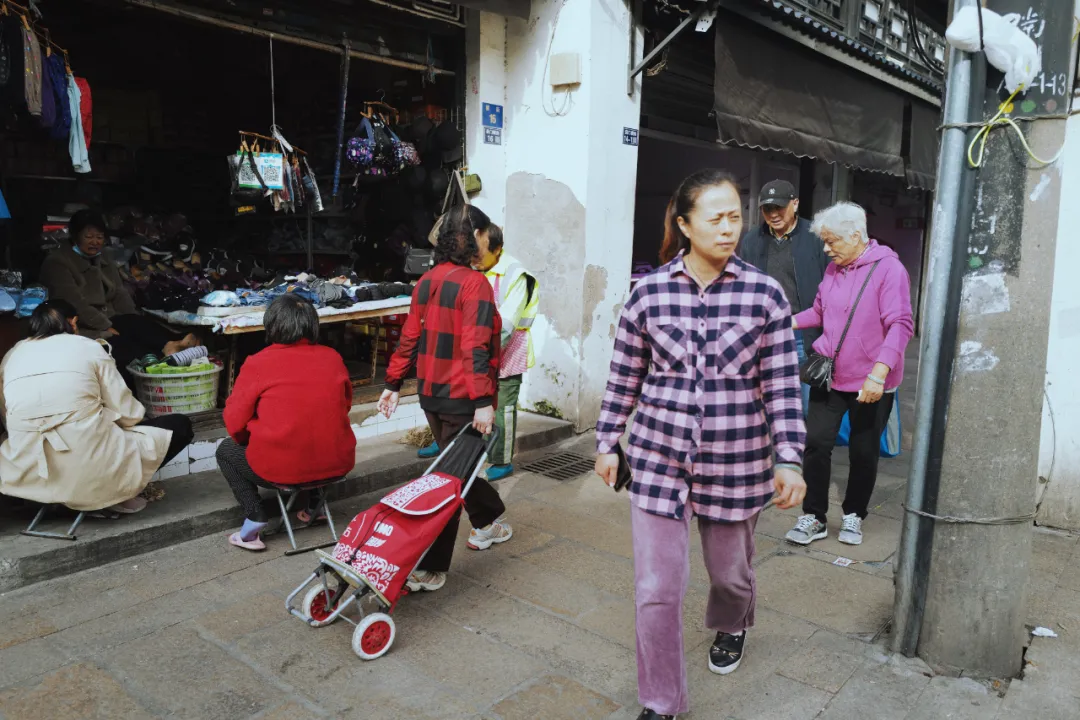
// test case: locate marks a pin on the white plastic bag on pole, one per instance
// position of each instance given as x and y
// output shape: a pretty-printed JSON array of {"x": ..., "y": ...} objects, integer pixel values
[{"x": 1008, "y": 48}]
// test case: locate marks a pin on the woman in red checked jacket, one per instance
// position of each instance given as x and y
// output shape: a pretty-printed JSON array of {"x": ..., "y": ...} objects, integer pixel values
[{"x": 452, "y": 337}]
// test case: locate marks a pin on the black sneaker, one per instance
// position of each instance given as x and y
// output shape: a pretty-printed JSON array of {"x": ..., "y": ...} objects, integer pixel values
[
  {"x": 726, "y": 653},
  {"x": 648, "y": 714}
]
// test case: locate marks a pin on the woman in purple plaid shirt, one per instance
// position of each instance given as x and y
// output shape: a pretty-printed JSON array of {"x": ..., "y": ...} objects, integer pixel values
[{"x": 706, "y": 353}]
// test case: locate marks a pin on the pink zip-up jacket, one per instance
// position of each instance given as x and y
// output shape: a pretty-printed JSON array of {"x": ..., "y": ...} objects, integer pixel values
[{"x": 883, "y": 323}]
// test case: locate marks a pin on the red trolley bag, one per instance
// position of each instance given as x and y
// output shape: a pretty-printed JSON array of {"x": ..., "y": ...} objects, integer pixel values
[{"x": 384, "y": 543}]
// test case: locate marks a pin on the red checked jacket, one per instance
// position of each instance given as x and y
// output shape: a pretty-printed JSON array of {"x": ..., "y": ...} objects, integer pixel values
[{"x": 452, "y": 337}]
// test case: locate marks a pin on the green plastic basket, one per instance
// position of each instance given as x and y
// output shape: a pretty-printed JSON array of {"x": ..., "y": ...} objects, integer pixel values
[{"x": 184, "y": 393}]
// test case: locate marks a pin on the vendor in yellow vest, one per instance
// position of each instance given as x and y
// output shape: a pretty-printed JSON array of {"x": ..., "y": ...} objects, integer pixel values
[{"x": 517, "y": 296}]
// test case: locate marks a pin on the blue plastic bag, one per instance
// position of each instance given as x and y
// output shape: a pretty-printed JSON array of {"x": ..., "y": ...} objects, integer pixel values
[
  {"x": 30, "y": 299},
  {"x": 891, "y": 436}
]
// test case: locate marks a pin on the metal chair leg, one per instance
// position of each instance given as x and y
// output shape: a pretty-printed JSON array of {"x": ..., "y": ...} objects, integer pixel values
[
  {"x": 326, "y": 509},
  {"x": 321, "y": 506},
  {"x": 69, "y": 535},
  {"x": 285, "y": 516}
]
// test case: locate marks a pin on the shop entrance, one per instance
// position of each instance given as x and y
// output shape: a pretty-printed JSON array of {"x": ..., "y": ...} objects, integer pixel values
[{"x": 176, "y": 90}]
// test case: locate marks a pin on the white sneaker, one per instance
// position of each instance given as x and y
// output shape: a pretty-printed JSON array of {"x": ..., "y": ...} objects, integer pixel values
[
  {"x": 425, "y": 580},
  {"x": 495, "y": 533},
  {"x": 807, "y": 530},
  {"x": 851, "y": 530}
]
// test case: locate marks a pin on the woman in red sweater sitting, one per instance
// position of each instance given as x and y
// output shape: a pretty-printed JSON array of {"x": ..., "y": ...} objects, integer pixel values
[{"x": 287, "y": 416}]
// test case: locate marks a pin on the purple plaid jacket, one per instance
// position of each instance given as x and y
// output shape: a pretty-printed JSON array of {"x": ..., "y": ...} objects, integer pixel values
[{"x": 715, "y": 379}]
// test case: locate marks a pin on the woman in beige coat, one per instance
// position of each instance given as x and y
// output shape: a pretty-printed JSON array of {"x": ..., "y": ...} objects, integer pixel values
[{"x": 76, "y": 436}]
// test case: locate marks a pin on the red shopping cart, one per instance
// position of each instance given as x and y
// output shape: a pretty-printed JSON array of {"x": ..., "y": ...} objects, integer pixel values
[{"x": 385, "y": 543}]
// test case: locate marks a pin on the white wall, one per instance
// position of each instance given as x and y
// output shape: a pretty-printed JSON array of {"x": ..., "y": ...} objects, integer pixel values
[
  {"x": 563, "y": 181},
  {"x": 1059, "y": 450},
  {"x": 485, "y": 52}
]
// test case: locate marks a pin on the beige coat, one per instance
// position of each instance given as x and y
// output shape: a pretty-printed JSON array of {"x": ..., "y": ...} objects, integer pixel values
[
  {"x": 72, "y": 426},
  {"x": 93, "y": 286}
]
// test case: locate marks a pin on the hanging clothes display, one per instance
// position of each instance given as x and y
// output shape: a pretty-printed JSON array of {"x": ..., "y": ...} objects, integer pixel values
[
  {"x": 57, "y": 79},
  {"x": 10, "y": 58},
  {"x": 80, "y": 155},
  {"x": 31, "y": 70},
  {"x": 48, "y": 97},
  {"x": 86, "y": 108}
]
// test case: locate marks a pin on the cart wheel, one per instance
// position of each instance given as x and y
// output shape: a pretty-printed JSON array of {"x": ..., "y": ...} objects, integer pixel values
[
  {"x": 315, "y": 606},
  {"x": 373, "y": 636}
]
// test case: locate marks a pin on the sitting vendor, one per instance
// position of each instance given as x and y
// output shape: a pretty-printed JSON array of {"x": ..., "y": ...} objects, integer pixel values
[
  {"x": 80, "y": 275},
  {"x": 76, "y": 436},
  {"x": 287, "y": 416}
]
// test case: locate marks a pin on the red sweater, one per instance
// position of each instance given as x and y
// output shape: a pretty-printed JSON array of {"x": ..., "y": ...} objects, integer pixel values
[
  {"x": 452, "y": 336},
  {"x": 290, "y": 406}
]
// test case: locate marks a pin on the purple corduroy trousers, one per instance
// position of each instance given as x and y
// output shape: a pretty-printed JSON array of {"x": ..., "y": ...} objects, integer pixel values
[{"x": 661, "y": 576}]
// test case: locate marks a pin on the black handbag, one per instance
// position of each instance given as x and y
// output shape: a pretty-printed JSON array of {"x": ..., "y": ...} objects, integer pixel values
[
  {"x": 817, "y": 372},
  {"x": 419, "y": 261},
  {"x": 239, "y": 196}
]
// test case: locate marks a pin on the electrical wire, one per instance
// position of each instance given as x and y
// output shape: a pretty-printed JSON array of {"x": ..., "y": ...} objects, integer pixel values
[
  {"x": 568, "y": 97},
  {"x": 1053, "y": 451},
  {"x": 916, "y": 41},
  {"x": 1001, "y": 119},
  {"x": 1014, "y": 520},
  {"x": 273, "y": 90},
  {"x": 954, "y": 520}
]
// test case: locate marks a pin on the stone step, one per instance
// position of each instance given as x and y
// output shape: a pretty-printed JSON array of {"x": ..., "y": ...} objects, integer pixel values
[{"x": 202, "y": 504}]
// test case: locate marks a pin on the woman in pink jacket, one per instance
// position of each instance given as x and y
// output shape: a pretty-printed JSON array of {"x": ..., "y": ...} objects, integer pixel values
[{"x": 869, "y": 368}]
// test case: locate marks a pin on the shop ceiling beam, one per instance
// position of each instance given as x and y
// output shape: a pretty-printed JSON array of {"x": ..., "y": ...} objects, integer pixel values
[
  {"x": 510, "y": 8},
  {"x": 703, "y": 16},
  {"x": 181, "y": 12}
]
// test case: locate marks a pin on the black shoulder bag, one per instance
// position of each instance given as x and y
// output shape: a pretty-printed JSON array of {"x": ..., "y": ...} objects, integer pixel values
[{"x": 818, "y": 370}]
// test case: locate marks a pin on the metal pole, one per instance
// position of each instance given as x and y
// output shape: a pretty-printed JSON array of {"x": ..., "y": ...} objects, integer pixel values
[
  {"x": 943, "y": 236},
  {"x": 292, "y": 39},
  {"x": 691, "y": 18},
  {"x": 342, "y": 107}
]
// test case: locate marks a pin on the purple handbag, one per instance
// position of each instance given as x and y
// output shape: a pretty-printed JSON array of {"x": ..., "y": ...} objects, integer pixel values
[{"x": 360, "y": 150}]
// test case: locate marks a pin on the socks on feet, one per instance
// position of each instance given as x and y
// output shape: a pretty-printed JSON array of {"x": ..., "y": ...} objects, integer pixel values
[{"x": 251, "y": 530}]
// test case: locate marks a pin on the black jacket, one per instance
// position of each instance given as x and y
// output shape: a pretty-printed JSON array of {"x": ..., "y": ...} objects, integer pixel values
[{"x": 806, "y": 249}]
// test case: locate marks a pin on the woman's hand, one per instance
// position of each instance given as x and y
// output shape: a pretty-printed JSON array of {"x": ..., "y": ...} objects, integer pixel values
[
  {"x": 113, "y": 332},
  {"x": 874, "y": 387},
  {"x": 484, "y": 419},
  {"x": 388, "y": 403},
  {"x": 790, "y": 488},
  {"x": 794, "y": 324},
  {"x": 607, "y": 467}
]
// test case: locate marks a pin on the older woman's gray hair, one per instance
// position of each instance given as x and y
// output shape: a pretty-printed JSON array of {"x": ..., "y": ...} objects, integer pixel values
[
  {"x": 844, "y": 220},
  {"x": 290, "y": 319}
]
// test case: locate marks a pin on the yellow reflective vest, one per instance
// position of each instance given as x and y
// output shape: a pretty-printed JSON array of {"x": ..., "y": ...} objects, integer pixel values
[{"x": 517, "y": 294}]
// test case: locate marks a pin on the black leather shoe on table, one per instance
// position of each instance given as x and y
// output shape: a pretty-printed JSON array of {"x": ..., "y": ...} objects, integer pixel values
[
  {"x": 726, "y": 653},
  {"x": 648, "y": 714}
]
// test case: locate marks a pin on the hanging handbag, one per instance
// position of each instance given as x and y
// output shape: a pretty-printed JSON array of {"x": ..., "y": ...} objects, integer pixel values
[
  {"x": 418, "y": 261},
  {"x": 817, "y": 372},
  {"x": 457, "y": 186},
  {"x": 360, "y": 150},
  {"x": 241, "y": 196}
]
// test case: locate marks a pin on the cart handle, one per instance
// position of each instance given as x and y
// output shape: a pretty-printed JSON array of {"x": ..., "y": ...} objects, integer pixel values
[{"x": 493, "y": 437}]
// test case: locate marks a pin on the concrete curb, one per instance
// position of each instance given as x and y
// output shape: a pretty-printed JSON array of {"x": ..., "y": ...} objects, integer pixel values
[{"x": 202, "y": 504}]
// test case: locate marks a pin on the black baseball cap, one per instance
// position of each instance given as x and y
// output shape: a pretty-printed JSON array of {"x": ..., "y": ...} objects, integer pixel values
[{"x": 777, "y": 192}]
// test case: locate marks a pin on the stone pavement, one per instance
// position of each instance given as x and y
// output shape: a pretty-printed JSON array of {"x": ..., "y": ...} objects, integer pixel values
[{"x": 541, "y": 627}]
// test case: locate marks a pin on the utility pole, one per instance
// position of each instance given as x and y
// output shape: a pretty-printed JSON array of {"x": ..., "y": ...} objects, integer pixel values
[{"x": 970, "y": 614}]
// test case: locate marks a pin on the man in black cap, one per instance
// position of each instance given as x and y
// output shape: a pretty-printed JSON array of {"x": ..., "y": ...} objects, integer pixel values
[{"x": 786, "y": 250}]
